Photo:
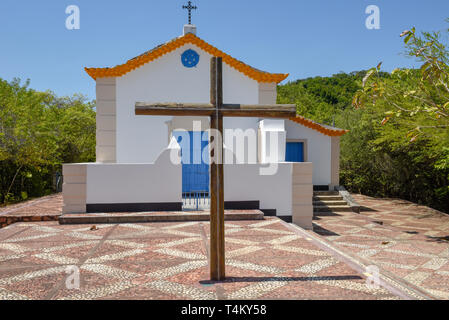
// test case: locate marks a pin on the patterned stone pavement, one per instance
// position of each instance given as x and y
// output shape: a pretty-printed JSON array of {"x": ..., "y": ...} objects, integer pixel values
[
  {"x": 265, "y": 260},
  {"x": 407, "y": 241},
  {"x": 44, "y": 205},
  {"x": 42, "y": 209}
]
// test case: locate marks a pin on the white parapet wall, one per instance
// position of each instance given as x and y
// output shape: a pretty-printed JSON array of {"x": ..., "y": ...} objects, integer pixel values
[
  {"x": 244, "y": 182},
  {"x": 95, "y": 187},
  {"x": 133, "y": 184},
  {"x": 288, "y": 190},
  {"x": 99, "y": 187}
]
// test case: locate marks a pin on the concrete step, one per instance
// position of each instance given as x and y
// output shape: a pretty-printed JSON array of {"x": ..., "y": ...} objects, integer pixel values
[
  {"x": 345, "y": 208},
  {"x": 328, "y": 198},
  {"x": 144, "y": 217},
  {"x": 327, "y": 214},
  {"x": 330, "y": 203},
  {"x": 326, "y": 193}
]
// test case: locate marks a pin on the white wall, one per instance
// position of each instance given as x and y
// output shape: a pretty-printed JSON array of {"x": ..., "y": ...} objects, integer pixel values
[
  {"x": 288, "y": 190},
  {"x": 318, "y": 150},
  {"x": 134, "y": 183},
  {"x": 244, "y": 183},
  {"x": 247, "y": 153},
  {"x": 140, "y": 139}
]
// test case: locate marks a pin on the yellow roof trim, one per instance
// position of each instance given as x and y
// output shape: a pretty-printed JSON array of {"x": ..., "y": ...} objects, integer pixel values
[
  {"x": 318, "y": 127},
  {"x": 120, "y": 70}
]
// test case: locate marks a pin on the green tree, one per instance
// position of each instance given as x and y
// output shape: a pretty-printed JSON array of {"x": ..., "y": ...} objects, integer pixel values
[
  {"x": 39, "y": 132},
  {"x": 421, "y": 96},
  {"x": 376, "y": 159}
]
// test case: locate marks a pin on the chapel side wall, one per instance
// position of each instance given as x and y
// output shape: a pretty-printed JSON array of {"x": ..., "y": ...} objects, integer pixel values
[
  {"x": 318, "y": 151},
  {"x": 106, "y": 120},
  {"x": 140, "y": 139}
]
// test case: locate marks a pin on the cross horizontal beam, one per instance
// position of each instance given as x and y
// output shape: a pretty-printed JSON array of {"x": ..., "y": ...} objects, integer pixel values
[{"x": 227, "y": 110}]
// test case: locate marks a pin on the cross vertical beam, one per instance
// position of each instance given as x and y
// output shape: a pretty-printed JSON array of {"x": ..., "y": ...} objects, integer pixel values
[
  {"x": 216, "y": 110},
  {"x": 217, "y": 236}
]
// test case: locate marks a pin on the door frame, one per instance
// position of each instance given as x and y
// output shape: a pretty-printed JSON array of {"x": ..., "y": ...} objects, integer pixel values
[{"x": 185, "y": 123}]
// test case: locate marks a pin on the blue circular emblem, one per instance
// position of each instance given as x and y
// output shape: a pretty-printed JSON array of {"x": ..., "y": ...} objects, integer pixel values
[{"x": 190, "y": 58}]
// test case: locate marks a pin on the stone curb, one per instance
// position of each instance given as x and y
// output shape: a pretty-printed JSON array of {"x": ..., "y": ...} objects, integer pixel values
[{"x": 9, "y": 220}]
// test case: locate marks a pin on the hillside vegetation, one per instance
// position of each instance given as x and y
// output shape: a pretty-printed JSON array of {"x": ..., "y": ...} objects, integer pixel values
[
  {"x": 38, "y": 132},
  {"x": 377, "y": 160},
  {"x": 398, "y": 144}
]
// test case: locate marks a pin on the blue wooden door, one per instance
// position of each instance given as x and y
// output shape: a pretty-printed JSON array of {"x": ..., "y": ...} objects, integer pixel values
[
  {"x": 195, "y": 171},
  {"x": 295, "y": 152}
]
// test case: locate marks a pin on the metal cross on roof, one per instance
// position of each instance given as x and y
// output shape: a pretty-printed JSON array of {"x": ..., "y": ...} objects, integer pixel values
[{"x": 190, "y": 8}]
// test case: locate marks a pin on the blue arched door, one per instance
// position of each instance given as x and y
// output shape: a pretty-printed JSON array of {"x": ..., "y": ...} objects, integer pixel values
[{"x": 195, "y": 171}]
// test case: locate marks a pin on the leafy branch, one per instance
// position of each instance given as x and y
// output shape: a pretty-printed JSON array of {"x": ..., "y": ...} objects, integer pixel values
[{"x": 421, "y": 94}]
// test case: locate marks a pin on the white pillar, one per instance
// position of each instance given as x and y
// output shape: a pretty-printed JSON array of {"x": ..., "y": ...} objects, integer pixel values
[{"x": 272, "y": 141}]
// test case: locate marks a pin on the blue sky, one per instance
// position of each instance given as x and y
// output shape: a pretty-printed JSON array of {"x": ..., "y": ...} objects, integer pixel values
[{"x": 303, "y": 38}]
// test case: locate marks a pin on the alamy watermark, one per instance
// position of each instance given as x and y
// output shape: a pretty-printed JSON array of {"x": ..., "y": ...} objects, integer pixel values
[
  {"x": 239, "y": 147},
  {"x": 73, "y": 21},
  {"x": 72, "y": 281},
  {"x": 372, "y": 22}
]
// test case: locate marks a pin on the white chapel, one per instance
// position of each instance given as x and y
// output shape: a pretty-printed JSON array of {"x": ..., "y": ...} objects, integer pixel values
[{"x": 135, "y": 171}]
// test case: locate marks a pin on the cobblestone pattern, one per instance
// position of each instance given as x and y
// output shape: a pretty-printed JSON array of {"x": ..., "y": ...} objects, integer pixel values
[
  {"x": 265, "y": 260},
  {"x": 407, "y": 240},
  {"x": 43, "y": 209}
]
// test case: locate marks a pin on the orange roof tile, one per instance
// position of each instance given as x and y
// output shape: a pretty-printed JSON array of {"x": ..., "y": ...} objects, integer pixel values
[
  {"x": 318, "y": 127},
  {"x": 158, "y": 52}
]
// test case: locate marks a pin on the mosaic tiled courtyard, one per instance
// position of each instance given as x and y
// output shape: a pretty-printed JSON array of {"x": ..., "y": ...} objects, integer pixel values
[
  {"x": 267, "y": 259},
  {"x": 408, "y": 241}
]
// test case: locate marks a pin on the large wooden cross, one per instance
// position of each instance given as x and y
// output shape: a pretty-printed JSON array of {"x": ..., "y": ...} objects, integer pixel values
[{"x": 216, "y": 110}]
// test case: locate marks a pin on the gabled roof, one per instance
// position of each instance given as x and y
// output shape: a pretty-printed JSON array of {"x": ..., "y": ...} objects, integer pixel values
[
  {"x": 120, "y": 70},
  {"x": 326, "y": 130}
]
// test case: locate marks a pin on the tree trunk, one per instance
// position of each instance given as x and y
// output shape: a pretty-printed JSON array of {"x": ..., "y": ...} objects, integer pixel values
[{"x": 12, "y": 183}]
